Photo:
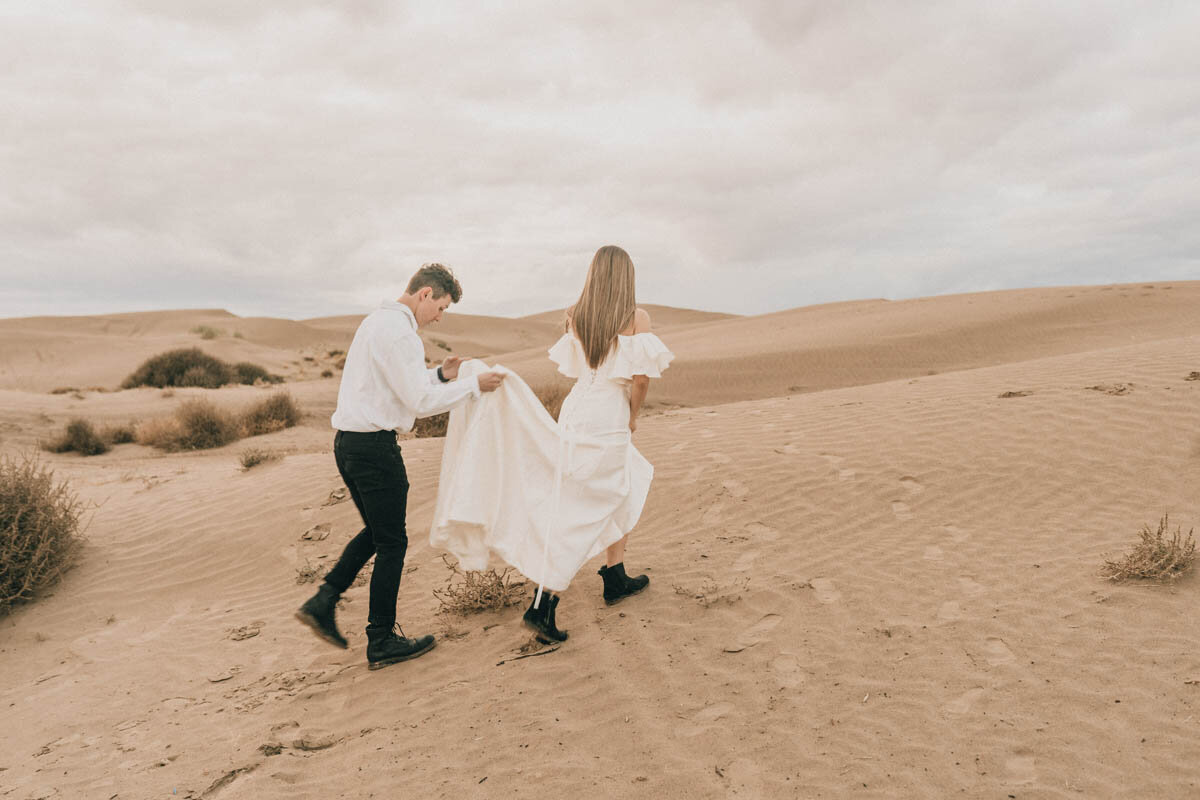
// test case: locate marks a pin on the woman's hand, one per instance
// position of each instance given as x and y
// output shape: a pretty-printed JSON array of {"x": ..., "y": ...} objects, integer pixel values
[{"x": 632, "y": 424}]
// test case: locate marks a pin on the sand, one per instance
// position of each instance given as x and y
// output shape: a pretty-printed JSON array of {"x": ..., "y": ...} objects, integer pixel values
[{"x": 881, "y": 583}]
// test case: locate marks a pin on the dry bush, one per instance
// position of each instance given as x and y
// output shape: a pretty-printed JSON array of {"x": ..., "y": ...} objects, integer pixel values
[
  {"x": 275, "y": 413},
  {"x": 64, "y": 390},
  {"x": 207, "y": 331},
  {"x": 79, "y": 437},
  {"x": 170, "y": 368},
  {"x": 253, "y": 456},
  {"x": 333, "y": 353},
  {"x": 1155, "y": 556},
  {"x": 473, "y": 592},
  {"x": 326, "y": 373},
  {"x": 431, "y": 427},
  {"x": 119, "y": 434},
  {"x": 39, "y": 530},
  {"x": 341, "y": 363},
  {"x": 250, "y": 374},
  {"x": 196, "y": 425}
]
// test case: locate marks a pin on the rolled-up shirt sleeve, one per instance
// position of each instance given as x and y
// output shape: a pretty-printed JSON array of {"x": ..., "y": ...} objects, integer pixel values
[{"x": 404, "y": 368}]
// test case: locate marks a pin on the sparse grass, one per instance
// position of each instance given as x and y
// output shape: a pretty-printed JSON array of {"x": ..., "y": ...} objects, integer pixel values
[
  {"x": 119, "y": 434},
  {"x": 333, "y": 353},
  {"x": 253, "y": 456},
  {"x": 200, "y": 425},
  {"x": 39, "y": 530},
  {"x": 275, "y": 413},
  {"x": 207, "y": 331},
  {"x": 238, "y": 335},
  {"x": 473, "y": 592},
  {"x": 79, "y": 437},
  {"x": 341, "y": 363},
  {"x": 1156, "y": 556}
]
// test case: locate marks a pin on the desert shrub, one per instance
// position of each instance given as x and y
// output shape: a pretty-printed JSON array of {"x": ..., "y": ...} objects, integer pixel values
[
  {"x": 249, "y": 374},
  {"x": 207, "y": 331},
  {"x": 253, "y": 456},
  {"x": 275, "y": 413},
  {"x": 64, "y": 390},
  {"x": 119, "y": 434},
  {"x": 196, "y": 425},
  {"x": 39, "y": 530},
  {"x": 238, "y": 335},
  {"x": 341, "y": 363},
  {"x": 169, "y": 369},
  {"x": 473, "y": 592},
  {"x": 333, "y": 353},
  {"x": 326, "y": 373},
  {"x": 79, "y": 437},
  {"x": 1155, "y": 556}
]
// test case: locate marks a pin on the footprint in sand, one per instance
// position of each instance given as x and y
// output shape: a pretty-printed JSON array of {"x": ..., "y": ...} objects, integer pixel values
[
  {"x": 901, "y": 510},
  {"x": 956, "y": 533},
  {"x": 789, "y": 449},
  {"x": 713, "y": 515},
  {"x": 735, "y": 488},
  {"x": 787, "y": 668},
  {"x": 825, "y": 590},
  {"x": 675, "y": 448},
  {"x": 969, "y": 585},
  {"x": 966, "y": 701},
  {"x": 695, "y": 472},
  {"x": 911, "y": 484},
  {"x": 1021, "y": 768},
  {"x": 745, "y": 561},
  {"x": 707, "y": 434},
  {"x": 764, "y": 533},
  {"x": 933, "y": 553},
  {"x": 997, "y": 652},
  {"x": 835, "y": 463},
  {"x": 949, "y": 611},
  {"x": 755, "y": 634},
  {"x": 720, "y": 458}
]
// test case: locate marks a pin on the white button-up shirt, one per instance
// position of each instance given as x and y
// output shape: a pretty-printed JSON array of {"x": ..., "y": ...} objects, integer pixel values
[{"x": 385, "y": 383}]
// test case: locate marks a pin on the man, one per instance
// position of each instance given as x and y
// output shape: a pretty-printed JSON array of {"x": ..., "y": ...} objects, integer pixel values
[{"x": 385, "y": 387}]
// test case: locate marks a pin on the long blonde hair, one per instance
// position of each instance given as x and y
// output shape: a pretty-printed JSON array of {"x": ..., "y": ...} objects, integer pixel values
[{"x": 606, "y": 305}]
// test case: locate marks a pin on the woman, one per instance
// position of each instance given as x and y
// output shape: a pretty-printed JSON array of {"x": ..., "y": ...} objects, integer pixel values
[{"x": 547, "y": 497}]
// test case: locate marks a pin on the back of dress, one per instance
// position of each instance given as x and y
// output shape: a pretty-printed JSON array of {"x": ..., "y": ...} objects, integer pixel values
[{"x": 599, "y": 402}]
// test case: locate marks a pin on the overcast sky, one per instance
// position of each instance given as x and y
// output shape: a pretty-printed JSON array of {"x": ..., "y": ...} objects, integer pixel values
[{"x": 291, "y": 158}]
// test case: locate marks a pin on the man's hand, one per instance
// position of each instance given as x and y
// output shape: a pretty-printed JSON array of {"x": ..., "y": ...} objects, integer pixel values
[
  {"x": 490, "y": 381},
  {"x": 450, "y": 367}
]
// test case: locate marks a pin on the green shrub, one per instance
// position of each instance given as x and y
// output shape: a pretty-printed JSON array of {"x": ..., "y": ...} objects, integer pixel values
[
  {"x": 171, "y": 367},
  {"x": 207, "y": 331},
  {"x": 275, "y": 413},
  {"x": 79, "y": 437},
  {"x": 39, "y": 530}
]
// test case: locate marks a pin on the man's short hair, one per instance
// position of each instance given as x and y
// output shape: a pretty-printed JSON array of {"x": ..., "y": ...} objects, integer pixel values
[{"x": 439, "y": 278}]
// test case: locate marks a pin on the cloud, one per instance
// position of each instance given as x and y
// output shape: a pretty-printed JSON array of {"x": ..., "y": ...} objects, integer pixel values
[{"x": 293, "y": 159}]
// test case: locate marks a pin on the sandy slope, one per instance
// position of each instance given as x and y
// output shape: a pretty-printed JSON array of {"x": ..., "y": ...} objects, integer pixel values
[{"x": 883, "y": 590}]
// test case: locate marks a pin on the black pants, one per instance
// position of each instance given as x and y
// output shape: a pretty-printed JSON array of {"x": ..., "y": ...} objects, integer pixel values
[{"x": 373, "y": 469}]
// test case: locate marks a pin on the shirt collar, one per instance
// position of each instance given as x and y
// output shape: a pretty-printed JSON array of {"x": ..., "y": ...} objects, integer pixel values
[{"x": 392, "y": 305}]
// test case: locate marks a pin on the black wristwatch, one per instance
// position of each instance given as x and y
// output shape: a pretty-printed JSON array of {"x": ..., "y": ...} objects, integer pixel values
[{"x": 442, "y": 377}]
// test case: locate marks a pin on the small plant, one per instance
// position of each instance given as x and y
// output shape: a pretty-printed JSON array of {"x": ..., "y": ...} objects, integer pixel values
[
  {"x": 275, "y": 413},
  {"x": 119, "y": 434},
  {"x": 207, "y": 331},
  {"x": 473, "y": 592},
  {"x": 196, "y": 425},
  {"x": 39, "y": 530},
  {"x": 333, "y": 353},
  {"x": 80, "y": 437},
  {"x": 249, "y": 374},
  {"x": 64, "y": 390},
  {"x": 238, "y": 335},
  {"x": 1155, "y": 557},
  {"x": 326, "y": 373},
  {"x": 253, "y": 456}
]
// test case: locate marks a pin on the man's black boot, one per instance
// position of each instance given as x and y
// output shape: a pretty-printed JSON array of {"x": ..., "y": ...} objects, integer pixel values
[
  {"x": 618, "y": 585},
  {"x": 318, "y": 614},
  {"x": 385, "y": 647},
  {"x": 539, "y": 618}
]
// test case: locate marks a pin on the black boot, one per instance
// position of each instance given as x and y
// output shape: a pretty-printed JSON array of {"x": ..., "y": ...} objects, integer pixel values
[
  {"x": 540, "y": 619},
  {"x": 618, "y": 585},
  {"x": 385, "y": 647},
  {"x": 317, "y": 613}
]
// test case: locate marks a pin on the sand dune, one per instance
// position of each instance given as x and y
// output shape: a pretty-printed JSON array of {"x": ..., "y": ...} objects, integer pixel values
[{"x": 876, "y": 590}]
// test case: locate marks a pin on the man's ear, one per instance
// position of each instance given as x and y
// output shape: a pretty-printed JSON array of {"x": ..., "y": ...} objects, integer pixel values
[{"x": 424, "y": 292}]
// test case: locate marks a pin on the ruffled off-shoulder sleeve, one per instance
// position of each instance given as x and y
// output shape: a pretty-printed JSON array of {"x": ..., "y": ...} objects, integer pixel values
[
  {"x": 568, "y": 354},
  {"x": 640, "y": 354}
]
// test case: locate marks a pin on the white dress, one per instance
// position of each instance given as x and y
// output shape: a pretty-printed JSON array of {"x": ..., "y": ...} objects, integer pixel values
[{"x": 544, "y": 496}]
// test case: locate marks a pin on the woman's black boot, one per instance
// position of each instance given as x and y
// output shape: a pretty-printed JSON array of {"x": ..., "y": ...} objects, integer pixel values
[
  {"x": 618, "y": 585},
  {"x": 539, "y": 618}
]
